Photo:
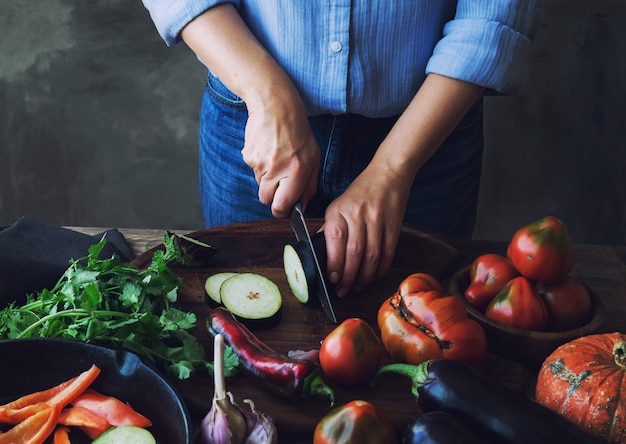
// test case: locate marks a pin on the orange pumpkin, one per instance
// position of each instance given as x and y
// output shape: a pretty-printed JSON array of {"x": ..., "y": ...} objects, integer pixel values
[{"x": 585, "y": 381}]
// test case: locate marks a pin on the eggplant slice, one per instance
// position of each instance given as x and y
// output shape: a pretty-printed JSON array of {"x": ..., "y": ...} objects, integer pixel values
[
  {"x": 253, "y": 299},
  {"x": 213, "y": 284},
  {"x": 300, "y": 267}
]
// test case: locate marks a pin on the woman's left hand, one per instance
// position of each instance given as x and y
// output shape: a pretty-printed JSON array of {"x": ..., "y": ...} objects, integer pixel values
[{"x": 362, "y": 226}]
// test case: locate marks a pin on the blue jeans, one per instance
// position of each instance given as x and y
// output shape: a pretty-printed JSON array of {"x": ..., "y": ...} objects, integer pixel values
[{"x": 443, "y": 198}]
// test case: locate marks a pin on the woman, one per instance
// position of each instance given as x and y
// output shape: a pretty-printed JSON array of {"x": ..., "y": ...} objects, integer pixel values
[{"x": 366, "y": 112}]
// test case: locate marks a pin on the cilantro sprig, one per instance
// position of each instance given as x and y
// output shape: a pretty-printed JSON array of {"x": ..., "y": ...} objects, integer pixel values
[{"x": 111, "y": 303}]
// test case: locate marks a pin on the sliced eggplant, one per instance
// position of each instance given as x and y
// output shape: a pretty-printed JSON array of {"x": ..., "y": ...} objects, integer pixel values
[
  {"x": 253, "y": 299},
  {"x": 300, "y": 271},
  {"x": 300, "y": 267},
  {"x": 186, "y": 250},
  {"x": 213, "y": 284}
]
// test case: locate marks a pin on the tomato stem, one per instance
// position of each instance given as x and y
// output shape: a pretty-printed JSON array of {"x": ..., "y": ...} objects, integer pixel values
[{"x": 619, "y": 354}]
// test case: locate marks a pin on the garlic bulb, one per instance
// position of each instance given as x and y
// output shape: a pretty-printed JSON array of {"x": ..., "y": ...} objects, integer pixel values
[{"x": 226, "y": 422}]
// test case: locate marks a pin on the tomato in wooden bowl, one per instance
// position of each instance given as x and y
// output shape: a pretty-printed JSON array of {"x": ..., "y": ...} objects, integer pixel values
[{"x": 527, "y": 347}]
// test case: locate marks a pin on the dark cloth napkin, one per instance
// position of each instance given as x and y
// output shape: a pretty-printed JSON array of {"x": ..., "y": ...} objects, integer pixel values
[{"x": 35, "y": 254}]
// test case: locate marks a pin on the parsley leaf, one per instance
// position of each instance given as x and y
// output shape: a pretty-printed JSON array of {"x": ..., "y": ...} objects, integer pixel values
[{"x": 115, "y": 304}]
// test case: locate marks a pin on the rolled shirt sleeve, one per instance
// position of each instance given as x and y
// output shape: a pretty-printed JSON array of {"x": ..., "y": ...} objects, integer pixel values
[
  {"x": 370, "y": 57},
  {"x": 487, "y": 43},
  {"x": 171, "y": 16}
]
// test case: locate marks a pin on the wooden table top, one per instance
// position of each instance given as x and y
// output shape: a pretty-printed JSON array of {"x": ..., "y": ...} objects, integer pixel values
[{"x": 601, "y": 267}]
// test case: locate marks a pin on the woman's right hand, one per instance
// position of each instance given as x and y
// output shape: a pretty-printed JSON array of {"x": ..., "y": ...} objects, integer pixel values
[
  {"x": 281, "y": 150},
  {"x": 279, "y": 144}
]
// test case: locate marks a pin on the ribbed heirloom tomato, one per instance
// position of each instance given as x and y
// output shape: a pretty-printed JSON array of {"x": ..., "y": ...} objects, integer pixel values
[
  {"x": 426, "y": 324},
  {"x": 419, "y": 282}
]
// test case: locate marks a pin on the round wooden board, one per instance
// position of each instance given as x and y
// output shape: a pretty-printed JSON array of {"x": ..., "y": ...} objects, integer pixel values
[{"x": 257, "y": 247}]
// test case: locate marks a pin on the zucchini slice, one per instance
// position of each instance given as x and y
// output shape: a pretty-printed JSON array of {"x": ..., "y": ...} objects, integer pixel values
[
  {"x": 213, "y": 283},
  {"x": 125, "y": 433},
  {"x": 252, "y": 298}
]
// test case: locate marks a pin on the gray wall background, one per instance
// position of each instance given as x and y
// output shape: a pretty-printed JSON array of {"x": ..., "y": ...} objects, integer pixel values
[{"x": 98, "y": 122}]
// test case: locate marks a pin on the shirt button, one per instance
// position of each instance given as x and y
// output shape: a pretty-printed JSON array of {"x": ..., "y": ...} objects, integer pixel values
[{"x": 335, "y": 46}]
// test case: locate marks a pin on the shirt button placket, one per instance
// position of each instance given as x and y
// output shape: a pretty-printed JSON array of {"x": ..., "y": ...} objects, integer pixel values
[
  {"x": 336, "y": 67},
  {"x": 336, "y": 46}
]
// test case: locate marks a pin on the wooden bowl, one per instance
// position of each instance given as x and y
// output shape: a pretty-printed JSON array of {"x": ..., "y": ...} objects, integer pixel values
[{"x": 527, "y": 347}]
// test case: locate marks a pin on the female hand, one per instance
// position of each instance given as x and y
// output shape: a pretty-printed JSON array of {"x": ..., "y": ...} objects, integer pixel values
[
  {"x": 279, "y": 145},
  {"x": 362, "y": 227},
  {"x": 281, "y": 150}
]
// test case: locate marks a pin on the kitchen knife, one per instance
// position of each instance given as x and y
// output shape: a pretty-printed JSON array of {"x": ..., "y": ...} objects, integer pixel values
[{"x": 302, "y": 235}]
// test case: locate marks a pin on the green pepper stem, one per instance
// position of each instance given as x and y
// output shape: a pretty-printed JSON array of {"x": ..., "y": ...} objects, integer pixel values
[
  {"x": 418, "y": 374},
  {"x": 315, "y": 386}
]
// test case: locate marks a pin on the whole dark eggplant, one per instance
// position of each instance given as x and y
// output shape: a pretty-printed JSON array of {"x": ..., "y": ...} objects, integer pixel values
[
  {"x": 439, "y": 427},
  {"x": 501, "y": 415}
]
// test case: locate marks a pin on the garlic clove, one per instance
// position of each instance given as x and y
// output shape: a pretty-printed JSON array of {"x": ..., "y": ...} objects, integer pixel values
[
  {"x": 214, "y": 428},
  {"x": 261, "y": 428}
]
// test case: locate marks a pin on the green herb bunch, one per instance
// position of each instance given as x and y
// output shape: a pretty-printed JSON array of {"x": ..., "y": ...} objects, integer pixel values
[{"x": 115, "y": 304}]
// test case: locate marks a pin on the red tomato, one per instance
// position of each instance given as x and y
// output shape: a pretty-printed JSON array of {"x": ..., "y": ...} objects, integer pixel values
[
  {"x": 568, "y": 303},
  {"x": 543, "y": 250},
  {"x": 351, "y": 353},
  {"x": 427, "y": 325},
  {"x": 519, "y": 305},
  {"x": 357, "y": 422},
  {"x": 489, "y": 274},
  {"x": 416, "y": 282}
]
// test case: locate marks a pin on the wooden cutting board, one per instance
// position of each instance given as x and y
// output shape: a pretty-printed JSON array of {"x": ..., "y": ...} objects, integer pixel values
[{"x": 258, "y": 247}]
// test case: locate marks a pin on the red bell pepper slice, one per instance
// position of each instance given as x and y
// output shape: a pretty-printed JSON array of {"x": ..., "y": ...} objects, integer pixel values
[
  {"x": 33, "y": 430},
  {"x": 115, "y": 411},
  {"x": 90, "y": 423},
  {"x": 60, "y": 395},
  {"x": 61, "y": 436},
  {"x": 15, "y": 416}
]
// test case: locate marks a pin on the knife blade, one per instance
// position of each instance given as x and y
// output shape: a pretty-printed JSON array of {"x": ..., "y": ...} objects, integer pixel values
[{"x": 302, "y": 235}]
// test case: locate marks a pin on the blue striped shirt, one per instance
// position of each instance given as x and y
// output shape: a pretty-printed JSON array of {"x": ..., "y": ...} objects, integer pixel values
[{"x": 370, "y": 56}]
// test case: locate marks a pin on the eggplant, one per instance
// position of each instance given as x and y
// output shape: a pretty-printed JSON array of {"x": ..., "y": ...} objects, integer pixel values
[
  {"x": 300, "y": 267},
  {"x": 440, "y": 427},
  {"x": 212, "y": 287},
  {"x": 498, "y": 414},
  {"x": 186, "y": 250},
  {"x": 253, "y": 299}
]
